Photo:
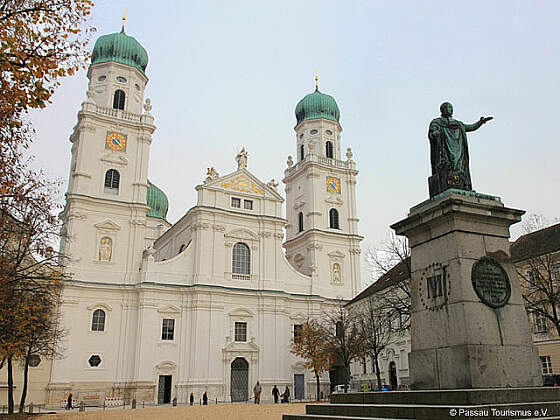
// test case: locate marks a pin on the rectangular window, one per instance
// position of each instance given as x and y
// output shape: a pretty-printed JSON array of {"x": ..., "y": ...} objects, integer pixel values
[
  {"x": 546, "y": 365},
  {"x": 248, "y": 204},
  {"x": 539, "y": 323},
  {"x": 235, "y": 202},
  {"x": 240, "y": 331},
  {"x": 364, "y": 366},
  {"x": 167, "y": 329},
  {"x": 297, "y": 333},
  {"x": 533, "y": 275},
  {"x": 556, "y": 273}
]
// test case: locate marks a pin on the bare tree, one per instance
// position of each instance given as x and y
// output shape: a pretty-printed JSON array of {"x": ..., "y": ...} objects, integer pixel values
[
  {"x": 537, "y": 257},
  {"x": 376, "y": 331},
  {"x": 341, "y": 330},
  {"x": 390, "y": 263}
]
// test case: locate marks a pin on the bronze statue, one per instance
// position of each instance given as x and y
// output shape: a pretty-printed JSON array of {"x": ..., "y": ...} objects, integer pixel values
[{"x": 449, "y": 151}]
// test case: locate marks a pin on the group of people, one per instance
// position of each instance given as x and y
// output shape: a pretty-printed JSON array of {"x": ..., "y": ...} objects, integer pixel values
[
  {"x": 285, "y": 397},
  {"x": 204, "y": 398}
]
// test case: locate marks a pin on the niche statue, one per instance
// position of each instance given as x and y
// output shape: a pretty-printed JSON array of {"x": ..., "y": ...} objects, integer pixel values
[{"x": 449, "y": 152}]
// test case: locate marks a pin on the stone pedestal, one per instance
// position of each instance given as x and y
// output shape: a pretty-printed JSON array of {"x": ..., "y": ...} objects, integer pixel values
[{"x": 458, "y": 341}]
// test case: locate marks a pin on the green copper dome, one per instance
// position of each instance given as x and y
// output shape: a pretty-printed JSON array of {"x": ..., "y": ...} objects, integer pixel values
[
  {"x": 317, "y": 105},
  {"x": 121, "y": 48},
  {"x": 157, "y": 201}
]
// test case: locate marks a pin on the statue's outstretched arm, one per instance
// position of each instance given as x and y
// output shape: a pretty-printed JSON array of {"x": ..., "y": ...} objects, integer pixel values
[{"x": 478, "y": 124}]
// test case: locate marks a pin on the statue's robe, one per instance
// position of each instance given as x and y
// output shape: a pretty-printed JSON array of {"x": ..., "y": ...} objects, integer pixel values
[{"x": 449, "y": 154}]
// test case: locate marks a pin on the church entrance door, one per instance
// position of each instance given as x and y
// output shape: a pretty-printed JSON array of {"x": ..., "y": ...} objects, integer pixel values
[
  {"x": 299, "y": 386},
  {"x": 164, "y": 389},
  {"x": 393, "y": 376},
  {"x": 239, "y": 380}
]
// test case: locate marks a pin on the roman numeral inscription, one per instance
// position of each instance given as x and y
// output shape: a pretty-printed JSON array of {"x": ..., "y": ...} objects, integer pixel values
[{"x": 435, "y": 287}]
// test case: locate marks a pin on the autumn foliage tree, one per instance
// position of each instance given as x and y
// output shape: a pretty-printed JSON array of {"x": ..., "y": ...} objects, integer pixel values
[
  {"x": 30, "y": 281},
  {"x": 310, "y": 343},
  {"x": 41, "y": 42}
]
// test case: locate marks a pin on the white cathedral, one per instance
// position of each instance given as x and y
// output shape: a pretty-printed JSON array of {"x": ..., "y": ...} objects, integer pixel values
[{"x": 211, "y": 303}]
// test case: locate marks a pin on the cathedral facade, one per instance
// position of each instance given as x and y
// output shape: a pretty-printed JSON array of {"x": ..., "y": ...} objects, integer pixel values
[{"x": 211, "y": 303}]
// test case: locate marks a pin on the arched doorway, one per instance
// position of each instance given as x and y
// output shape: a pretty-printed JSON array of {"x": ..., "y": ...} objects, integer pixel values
[
  {"x": 393, "y": 376},
  {"x": 239, "y": 380}
]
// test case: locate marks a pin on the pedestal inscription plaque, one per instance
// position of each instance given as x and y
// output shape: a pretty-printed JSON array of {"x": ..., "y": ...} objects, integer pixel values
[{"x": 490, "y": 282}]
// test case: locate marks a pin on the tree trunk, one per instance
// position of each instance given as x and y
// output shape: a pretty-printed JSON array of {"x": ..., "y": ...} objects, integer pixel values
[
  {"x": 318, "y": 386},
  {"x": 10, "y": 387},
  {"x": 24, "y": 389},
  {"x": 346, "y": 377},
  {"x": 377, "y": 373}
]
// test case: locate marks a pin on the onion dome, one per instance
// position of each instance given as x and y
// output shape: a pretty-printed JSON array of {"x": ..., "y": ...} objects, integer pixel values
[
  {"x": 317, "y": 105},
  {"x": 121, "y": 48},
  {"x": 157, "y": 201}
]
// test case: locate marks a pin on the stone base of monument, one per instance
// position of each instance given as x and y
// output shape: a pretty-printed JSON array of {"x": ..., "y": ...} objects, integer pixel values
[
  {"x": 506, "y": 403},
  {"x": 469, "y": 324}
]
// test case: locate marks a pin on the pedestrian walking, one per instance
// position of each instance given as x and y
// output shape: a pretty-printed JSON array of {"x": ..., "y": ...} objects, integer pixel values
[
  {"x": 257, "y": 389},
  {"x": 286, "y": 395},
  {"x": 275, "y": 394},
  {"x": 69, "y": 402},
  {"x": 205, "y": 398},
  {"x": 191, "y": 399}
]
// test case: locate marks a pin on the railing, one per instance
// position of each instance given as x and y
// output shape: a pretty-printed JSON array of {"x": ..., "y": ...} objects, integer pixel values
[
  {"x": 345, "y": 164},
  {"x": 118, "y": 113},
  {"x": 241, "y": 276}
]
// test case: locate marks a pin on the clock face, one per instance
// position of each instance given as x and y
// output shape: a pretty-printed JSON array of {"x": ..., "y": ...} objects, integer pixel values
[
  {"x": 115, "y": 141},
  {"x": 333, "y": 185}
]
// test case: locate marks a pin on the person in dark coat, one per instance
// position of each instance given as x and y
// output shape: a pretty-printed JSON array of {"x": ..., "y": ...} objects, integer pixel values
[
  {"x": 275, "y": 394},
  {"x": 204, "y": 399},
  {"x": 69, "y": 403},
  {"x": 191, "y": 399},
  {"x": 286, "y": 395}
]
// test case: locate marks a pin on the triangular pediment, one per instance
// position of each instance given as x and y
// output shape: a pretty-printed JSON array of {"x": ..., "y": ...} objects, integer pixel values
[
  {"x": 245, "y": 182},
  {"x": 241, "y": 234},
  {"x": 334, "y": 200},
  {"x": 237, "y": 347},
  {"x": 241, "y": 312},
  {"x": 107, "y": 225},
  {"x": 115, "y": 160},
  {"x": 336, "y": 253},
  {"x": 169, "y": 309}
]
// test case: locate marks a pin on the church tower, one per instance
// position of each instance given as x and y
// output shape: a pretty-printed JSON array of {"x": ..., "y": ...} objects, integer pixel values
[
  {"x": 108, "y": 218},
  {"x": 322, "y": 237}
]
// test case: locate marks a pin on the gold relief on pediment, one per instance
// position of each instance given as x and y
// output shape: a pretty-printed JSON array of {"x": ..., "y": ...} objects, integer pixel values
[{"x": 242, "y": 184}]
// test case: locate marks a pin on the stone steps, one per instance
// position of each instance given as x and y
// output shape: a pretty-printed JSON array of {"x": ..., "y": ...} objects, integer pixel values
[
  {"x": 451, "y": 397},
  {"x": 521, "y": 403},
  {"x": 427, "y": 411},
  {"x": 319, "y": 417}
]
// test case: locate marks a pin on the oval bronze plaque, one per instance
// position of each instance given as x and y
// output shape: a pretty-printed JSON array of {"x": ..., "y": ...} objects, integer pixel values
[{"x": 490, "y": 282}]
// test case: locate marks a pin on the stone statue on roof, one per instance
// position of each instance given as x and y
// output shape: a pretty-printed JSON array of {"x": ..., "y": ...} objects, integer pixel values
[{"x": 241, "y": 159}]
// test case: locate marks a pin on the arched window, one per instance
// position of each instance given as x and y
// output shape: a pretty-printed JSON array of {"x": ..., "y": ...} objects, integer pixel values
[
  {"x": 105, "y": 249},
  {"x": 333, "y": 219},
  {"x": 112, "y": 180},
  {"x": 241, "y": 262},
  {"x": 329, "y": 149},
  {"x": 300, "y": 222},
  {"x": 301, "y": 154},
  {"x": 118, "y": 99},
  {"x": 98, "y": 320}
]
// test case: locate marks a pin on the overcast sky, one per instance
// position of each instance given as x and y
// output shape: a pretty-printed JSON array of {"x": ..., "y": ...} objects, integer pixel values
[{"x": 228, "y": 74}]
